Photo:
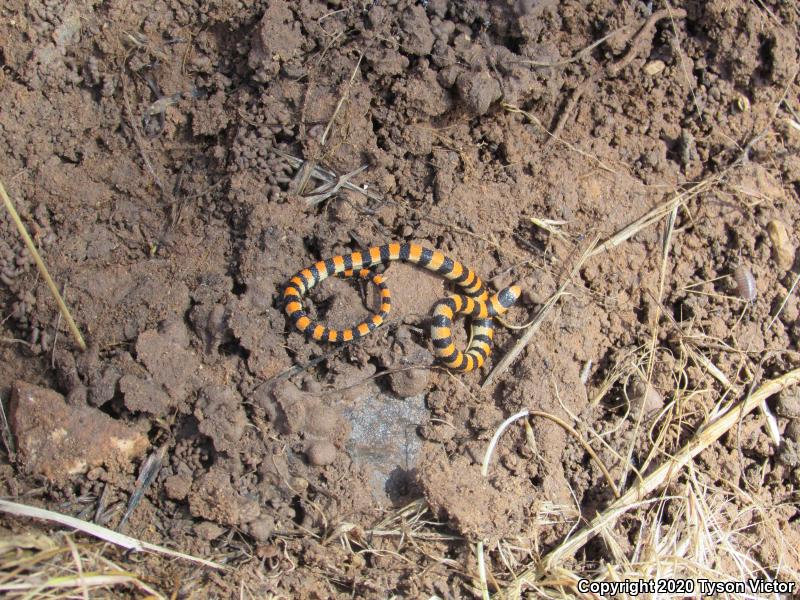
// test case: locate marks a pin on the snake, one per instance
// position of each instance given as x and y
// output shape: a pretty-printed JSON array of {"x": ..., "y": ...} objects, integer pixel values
[{"x": 475, "y": 302}]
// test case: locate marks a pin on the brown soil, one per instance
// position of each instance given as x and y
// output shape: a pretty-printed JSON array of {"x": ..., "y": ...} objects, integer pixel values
[{"x": 142, "y": 150}]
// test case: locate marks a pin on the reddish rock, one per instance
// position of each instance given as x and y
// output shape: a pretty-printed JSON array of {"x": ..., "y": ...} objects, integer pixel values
[{"x": 56, "y": 440}]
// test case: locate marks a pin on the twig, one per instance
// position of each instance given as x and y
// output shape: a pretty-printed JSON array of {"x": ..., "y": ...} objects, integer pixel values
[
  {"x": 575, "y": 57},
  {"x": 318, "y": 172},
  {"x": 584, "y": 444},
  {"x": 307, "y": 168},
  {"x": 344, "y": 97},
  {"x": 55, "y": 333},
  {"x": 663, "y": 475},
  {"x": 8, "y": 439},
  {"x": 654, "y": 215},
  {"x": 42, "y": 268},
  {"x": 633, "y": 50},
  {"x": 562, "y": 119}
]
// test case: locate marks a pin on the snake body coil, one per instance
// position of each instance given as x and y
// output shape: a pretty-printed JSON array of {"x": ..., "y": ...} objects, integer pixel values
[{"x": 476, "y": 303}]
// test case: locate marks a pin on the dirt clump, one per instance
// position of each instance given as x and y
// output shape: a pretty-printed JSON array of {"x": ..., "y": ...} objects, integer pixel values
[{"x": 58, "y": 441}]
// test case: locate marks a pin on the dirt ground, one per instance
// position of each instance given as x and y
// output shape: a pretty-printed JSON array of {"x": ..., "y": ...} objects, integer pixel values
[{"x": 146, "y": 150}]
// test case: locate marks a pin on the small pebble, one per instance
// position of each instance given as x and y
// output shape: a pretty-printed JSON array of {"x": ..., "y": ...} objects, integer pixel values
[
  {"x": 645, "y": 395},
  {"x": 321, "y": 453},
  {"x": 654, "y": 67},
  {"x": 782, "y": 248}
]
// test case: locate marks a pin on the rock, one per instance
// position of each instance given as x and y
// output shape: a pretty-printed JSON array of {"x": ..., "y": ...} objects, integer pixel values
[
  {"x": 645, "y": 396},
  {"x": 56, "y": 440}
]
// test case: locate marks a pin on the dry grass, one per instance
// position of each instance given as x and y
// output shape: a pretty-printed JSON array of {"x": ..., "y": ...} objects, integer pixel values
[{"x": 38, "y": 564}]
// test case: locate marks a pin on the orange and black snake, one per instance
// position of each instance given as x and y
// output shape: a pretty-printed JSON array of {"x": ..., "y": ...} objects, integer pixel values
[{"x": 476, "y": 304}]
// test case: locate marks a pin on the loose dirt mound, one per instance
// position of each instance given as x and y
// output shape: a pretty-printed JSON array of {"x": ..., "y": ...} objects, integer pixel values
[{"x": 176, "y": 163}]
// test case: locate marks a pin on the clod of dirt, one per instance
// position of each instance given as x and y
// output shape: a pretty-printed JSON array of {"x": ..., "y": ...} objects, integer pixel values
[
  {"x": 263, "y": 343},
  {"x": 208, "y": 531},
  {"x": 388, "y": 61},
  {"x": 414, "y": 291},
  {"x": 792, "y": 431},
  {"x": 418, "y": 38},
  {"x": 142, "y": 395},
  {"x": 56, "y": 440},
  {"x": 221, "y": 416},
  {"x": 321, "y": 421},
  {"x": 279, "y": 40},
  {"x": 788, "y": 404},
  {"x": 168, "y": 358},
  {"x": 172, "y": 367},
  {"x": 789, "y": 453},
  {"x": 409, "y": 382},
  {"x": 321, "y": 453},
  {"x": 104, "y": 388},
  {"x": 478, "y": 91},
  {"x": 424, "y": 93},
  {"x": 215, "y": 498},
  {"x": 261, "y": 529},
  {"x": 292, "y": 410},
  {"x": 459, "y": 493},
  {"x": 287, "y": 406},
  {"x": 210, "y": 324},
  {"x": 178, "y": 487}
]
